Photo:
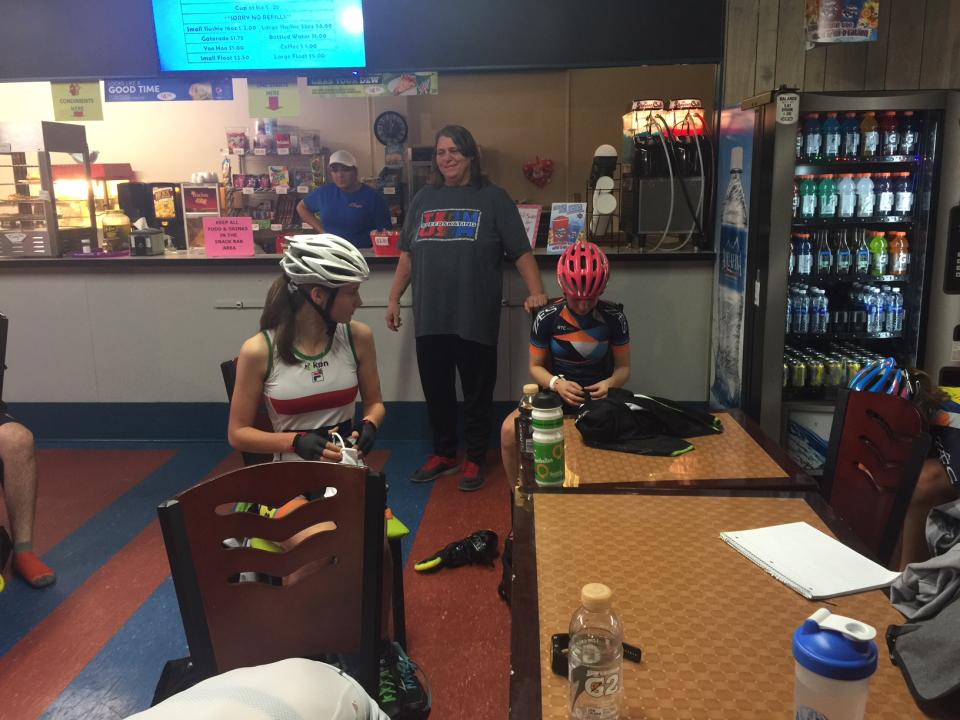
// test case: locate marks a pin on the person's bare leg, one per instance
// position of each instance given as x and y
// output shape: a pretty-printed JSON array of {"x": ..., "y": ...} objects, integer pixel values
[
  {"x": 508, "y": 448},
  {"x": 933, "y": 488},
  {"x": 20, "y": 491}
]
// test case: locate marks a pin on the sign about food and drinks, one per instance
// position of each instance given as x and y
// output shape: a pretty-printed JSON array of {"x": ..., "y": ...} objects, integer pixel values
[
  {"x": 76, "y": 101},
  {"x": 167, "y": 89},
  {"x": 836, "y": 21},
  {"x": 412, "y": 83},
  {"x": 272, "y": 97},
  {"x": 567, "y": 225},
  {"x": 228, "y": 236},
  {"x": 200, "y": 199}
]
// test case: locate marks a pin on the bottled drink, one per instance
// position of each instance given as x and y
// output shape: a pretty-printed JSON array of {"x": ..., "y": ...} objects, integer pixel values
[
  {"x": 865, "y": 196},
  {"x": 861, "y": 258},
  {"x": 595, "y": 661},
  {"x": 878, "y": 254},
  {"x": 902, "y": 193},
  {"x": 527, "y": 474},
  {"x": 812, "y": 137},
  {"x": 883, "y": 187},
  {"x": 897, "y": 306},
  {"x": 884, "y": 298},
  {"x": 797, "y": 308},
  {"x": 889, "y": 133},
  {"x": 844, "y": 262},
  {"x": 823, "y": 313},
  {"x": 873, "y": 311},
  {"x": 790, "y": 261},
  {"x": 804, "y": 260},
  {"x": 547, "y": 416},
  {"x": 796, "y": 200},
  {"x": 909, "y": 134},
  {"x": 827, "y": 196},
  {"x": 850, "y": 130},
  {"x": 831, "y": 137},
  {"x": 808, "y": 196},
  {"x": 799, "y": 150},
  {"x": 847, "y": 194},
  {"x": 824, "y": 256},
  {"x": 789, "y": 322},
  {"x": 804, "y": 326},
  {"x": 869, "y": 135},
  {"x": 899, "y": 250}
]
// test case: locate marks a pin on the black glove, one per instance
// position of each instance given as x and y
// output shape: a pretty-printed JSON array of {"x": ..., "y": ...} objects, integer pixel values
[
  {"x": 368, "y": 434},
  {"x": 309, "y": 445}
]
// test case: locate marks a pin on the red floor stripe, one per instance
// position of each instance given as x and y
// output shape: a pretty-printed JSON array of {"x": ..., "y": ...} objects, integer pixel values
[
  {"x": 458, "y": 628},
  {"x": 45, "y": 662},
  {"x": 74, "y": 485}
]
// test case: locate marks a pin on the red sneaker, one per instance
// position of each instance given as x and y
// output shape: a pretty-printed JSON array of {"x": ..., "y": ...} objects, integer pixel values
[
  {"x": 472, "y": 478},
  {"x": 435, "y": 466}
]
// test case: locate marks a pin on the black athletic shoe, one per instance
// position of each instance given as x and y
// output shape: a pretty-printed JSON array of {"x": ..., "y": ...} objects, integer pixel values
[
  {"x": 415, "y": 698},
  {"x": 472, "y": 478},
  {"x": 434, "y": 467},
  {"x": 388, "y": 684},
  {"x": 480, "y": 548}
]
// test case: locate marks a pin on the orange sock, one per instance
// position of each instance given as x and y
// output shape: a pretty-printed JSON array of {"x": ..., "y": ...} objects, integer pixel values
[{"x": 32, "y": 569}]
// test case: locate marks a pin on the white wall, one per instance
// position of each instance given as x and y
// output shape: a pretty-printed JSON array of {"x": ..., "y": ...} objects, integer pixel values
[{"x": 156, "y": 335}]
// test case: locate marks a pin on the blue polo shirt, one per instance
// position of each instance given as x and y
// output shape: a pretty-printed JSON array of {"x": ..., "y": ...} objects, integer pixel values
[{"x": 351, "y": 215}]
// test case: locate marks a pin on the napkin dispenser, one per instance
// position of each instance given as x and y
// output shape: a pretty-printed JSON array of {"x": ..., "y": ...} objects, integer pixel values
[{"x": 148, "y": 241}]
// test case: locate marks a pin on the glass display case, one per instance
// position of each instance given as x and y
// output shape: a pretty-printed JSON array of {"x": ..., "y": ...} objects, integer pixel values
[{"x": 33, "y": 221}]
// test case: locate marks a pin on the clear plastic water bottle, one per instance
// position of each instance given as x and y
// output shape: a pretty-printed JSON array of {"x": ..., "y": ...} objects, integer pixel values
[
  {"x": 823, "y": 313},
  {"x": 885, "y": 324},
  {"x": 789, "y": 323},
  {"x": 596, "y": 657},
  {"x": 797, "y": 312},
  {"x": 814, "y": 311},
  {"x": 898, "y": 311},
  {"x": 804, "y": 327},
  {"x": 872, "y": 303}
]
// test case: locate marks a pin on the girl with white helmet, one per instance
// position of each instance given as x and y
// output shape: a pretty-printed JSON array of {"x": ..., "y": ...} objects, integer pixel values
[{"x": 311, "y": 359}]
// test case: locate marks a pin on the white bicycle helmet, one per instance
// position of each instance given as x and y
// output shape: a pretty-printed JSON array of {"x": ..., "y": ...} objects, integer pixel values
[{"x": 325, "y": 260}]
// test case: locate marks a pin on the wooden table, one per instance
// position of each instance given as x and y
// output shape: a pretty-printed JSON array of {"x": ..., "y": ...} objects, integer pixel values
[
  {"x": 715, "y": 629},
  {"x": 739, "y": 458}
]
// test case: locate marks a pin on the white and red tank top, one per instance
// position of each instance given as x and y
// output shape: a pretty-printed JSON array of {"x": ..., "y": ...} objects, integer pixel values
[{"x": 318, "y": 391}]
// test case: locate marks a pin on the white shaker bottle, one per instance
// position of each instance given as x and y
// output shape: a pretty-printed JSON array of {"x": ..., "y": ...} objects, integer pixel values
[{"x": 835, "y": 657}]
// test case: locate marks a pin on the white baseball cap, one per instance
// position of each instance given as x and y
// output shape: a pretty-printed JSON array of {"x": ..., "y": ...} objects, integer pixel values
[{"x": 342, "y": 157}]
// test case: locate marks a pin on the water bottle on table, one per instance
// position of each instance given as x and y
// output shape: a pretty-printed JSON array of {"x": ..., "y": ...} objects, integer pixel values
[
  {"x": 524, "y": 429},
  {"x": 835, "y": 658},
  {"x": 596, "y": 657},
  {"x": 548, "y": 459}
]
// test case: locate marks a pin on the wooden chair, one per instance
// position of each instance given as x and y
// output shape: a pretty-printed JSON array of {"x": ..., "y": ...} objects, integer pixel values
[
  {"x": 319, "y": 598},
  {"x": 877, "y": 445},
  {"x": 228, "y": 368}
]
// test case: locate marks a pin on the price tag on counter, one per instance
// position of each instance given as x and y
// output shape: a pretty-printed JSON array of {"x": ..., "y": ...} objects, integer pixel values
[
  {"x": 283, "y": 151},
  {"x": 248, "y": 191},
  {"x": 282, "y": 189},
  {"x": 303, "y": 189},
  {"x": 259, "y": 151},
  {"x": 239, "y": 151},
  {"x": 275, "y": 227}
]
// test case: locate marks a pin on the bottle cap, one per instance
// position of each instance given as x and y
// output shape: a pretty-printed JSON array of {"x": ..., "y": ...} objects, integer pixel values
[
  {"x": 850, "y": 114},
  {"x": 869, "y": 114},
  {"x": 531, "y": 389},
  {"x": 908, "y": 113},
  {"x": 596, "y": 597},
  {"x": 547, "y": 401},
  {"x": 836, "y": 647},
  {"x": 890, "y": 113}
]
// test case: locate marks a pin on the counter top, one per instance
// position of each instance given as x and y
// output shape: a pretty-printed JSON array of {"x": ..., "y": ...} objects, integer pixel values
[{"x": 184, "y": 260}]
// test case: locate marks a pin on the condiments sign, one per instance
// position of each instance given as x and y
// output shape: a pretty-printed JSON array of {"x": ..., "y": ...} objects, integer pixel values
[
  {"x": 228, "y": 236},
  {"x": 76, "y": 101}
]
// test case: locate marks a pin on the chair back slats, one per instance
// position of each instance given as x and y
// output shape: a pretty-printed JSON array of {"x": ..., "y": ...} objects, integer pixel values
[
  {"x": 877, "y": 446},
  {"x": 322, "y": 605}
]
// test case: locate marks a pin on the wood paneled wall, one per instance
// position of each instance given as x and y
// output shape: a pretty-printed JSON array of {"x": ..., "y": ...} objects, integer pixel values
[{"x": 918, "y": 48}]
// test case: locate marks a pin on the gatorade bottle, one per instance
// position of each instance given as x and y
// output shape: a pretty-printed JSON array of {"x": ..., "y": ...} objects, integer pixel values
[
  {"x": 878, "y": 254},
  {"x": 812, "y": 137},
  {"x": 824, "y": 256},
  {"x": 524, "y": 425},
  {"x": 865, "y": 196},
  {"x": 827, "y": 196},
  {"x": 902, "y": 194},
  {"x": 869, "y": 135},
  {"x": 804, "y": 255},
  {"x": 899, "y": 251},
  {"x": 548, "y": 457},
  {"x": 889, "y": 133},
  {"x": 595, "y": 662},
  {"x": 831, "y": 137},
  {"x": 808, "y": 196},
  {"x": 909, "y": 134},
  {"x": 883, "y": 187},
  {"x": 844, "y": 255},
  {"x": 850, "y": 130},
  {"x": 847, "y": 193},
  {"x": 861, "y": 257}
]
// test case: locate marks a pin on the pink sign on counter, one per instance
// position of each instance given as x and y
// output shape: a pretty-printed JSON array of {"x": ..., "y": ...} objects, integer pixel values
[{"x": 228, "y": 236}]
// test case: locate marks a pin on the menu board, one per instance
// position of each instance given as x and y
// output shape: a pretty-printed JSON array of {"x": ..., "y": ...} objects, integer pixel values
[{"x": 209, "y": 35}]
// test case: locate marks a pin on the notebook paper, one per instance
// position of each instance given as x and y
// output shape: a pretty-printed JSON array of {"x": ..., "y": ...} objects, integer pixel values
[{"x": 810, "y": 562}]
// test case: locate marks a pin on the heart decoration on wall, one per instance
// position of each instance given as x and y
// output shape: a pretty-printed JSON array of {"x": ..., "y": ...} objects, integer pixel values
[{"x": 538, "y": 171}]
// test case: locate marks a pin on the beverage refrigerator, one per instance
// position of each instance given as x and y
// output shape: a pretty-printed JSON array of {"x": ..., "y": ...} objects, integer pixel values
[{"x": 834, "y": 218}]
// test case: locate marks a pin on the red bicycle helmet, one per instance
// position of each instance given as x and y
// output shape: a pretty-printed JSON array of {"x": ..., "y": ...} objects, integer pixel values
[{"x": 583, "y": 271}]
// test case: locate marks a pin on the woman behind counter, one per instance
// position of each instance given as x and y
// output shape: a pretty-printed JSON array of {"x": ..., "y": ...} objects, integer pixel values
[{"x": 458, "y": 230}]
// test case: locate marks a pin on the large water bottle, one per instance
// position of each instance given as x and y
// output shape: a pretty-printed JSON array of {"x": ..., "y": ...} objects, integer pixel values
[
  {"x": 814, "y": 311},
  {"x": 887, "y": 322},
  {"x": 873, "y": 311},
  {"x": 596, "y": 657},
  {"x": 804, "y": 313},
  {"x": 823, "y": 313},
  {"x": 548, "y": 460},
  {"x": 797, "y": 312},
  {"x": 898, "y": 312}
]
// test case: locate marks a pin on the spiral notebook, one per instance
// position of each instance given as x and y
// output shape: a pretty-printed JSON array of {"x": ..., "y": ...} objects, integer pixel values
[{"x": 808, "y": 561}]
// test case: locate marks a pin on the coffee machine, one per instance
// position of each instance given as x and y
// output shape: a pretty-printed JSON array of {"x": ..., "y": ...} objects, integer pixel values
[{"x": 160, "y": 203}]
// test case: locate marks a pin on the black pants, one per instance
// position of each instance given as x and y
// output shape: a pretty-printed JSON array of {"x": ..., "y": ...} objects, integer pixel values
[{"x": 439, "y": 358}]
